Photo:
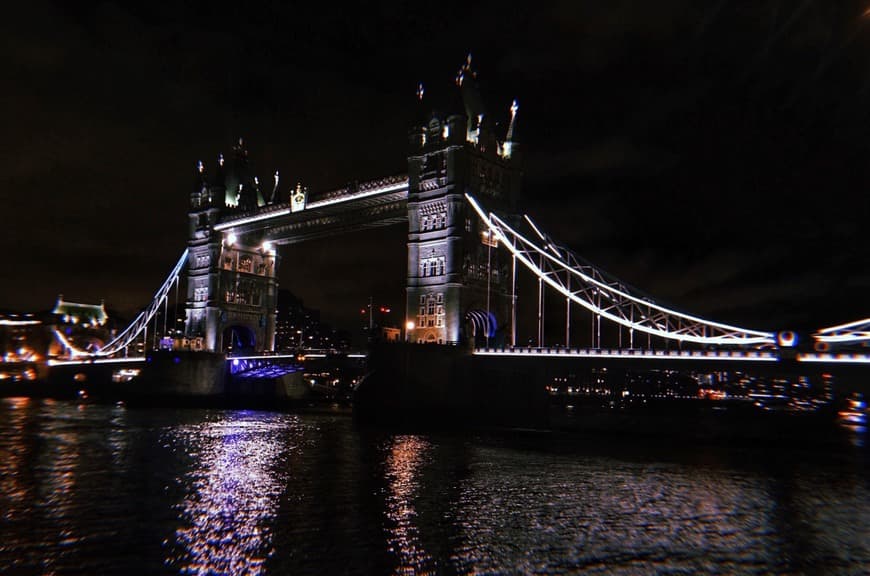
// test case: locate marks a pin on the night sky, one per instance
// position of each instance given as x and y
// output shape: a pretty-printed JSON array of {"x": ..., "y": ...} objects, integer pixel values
[{"x": 712, "y": 154}]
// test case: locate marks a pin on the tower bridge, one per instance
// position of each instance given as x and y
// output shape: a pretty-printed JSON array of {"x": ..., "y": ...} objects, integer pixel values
[{"x": 467, "y": 242}]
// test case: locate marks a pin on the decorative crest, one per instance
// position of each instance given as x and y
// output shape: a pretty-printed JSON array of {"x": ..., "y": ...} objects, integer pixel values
[{"x": 298, "y": 198}]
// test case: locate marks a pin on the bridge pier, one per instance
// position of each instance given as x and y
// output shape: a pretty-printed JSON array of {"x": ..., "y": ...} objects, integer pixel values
[{"x": 181, "y": 376}]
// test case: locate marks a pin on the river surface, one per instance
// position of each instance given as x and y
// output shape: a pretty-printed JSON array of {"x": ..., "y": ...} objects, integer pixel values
[{"x": 102, "y": 489}]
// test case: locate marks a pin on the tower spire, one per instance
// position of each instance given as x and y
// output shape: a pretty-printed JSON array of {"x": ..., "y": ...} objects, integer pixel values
[
  {"x": 514, "y": 109},
  {"x": 274, "y": 188},
  {"x": 466, "y": 80},
  {"x": 510, "y": 147}
]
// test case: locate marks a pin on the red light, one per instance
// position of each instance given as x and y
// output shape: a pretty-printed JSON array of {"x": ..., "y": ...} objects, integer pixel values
[{"x": 362, "y": 311}]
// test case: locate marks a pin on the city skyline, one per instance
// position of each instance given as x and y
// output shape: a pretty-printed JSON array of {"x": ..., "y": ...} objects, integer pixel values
[{"x": 713, "y": 157}]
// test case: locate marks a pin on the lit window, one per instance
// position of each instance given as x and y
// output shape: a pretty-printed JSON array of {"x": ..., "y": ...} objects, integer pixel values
[{"x": 246, "y": 264}]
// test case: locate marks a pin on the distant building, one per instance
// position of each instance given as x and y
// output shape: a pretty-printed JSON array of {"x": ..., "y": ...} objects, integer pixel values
[
  {"x": 22, "y": 338},
  {"x": 84, "y": 327},
  {"x": 298, "y": 327},
  {"x": 57, "y": 332},
  {"x": 73, "y": 313},
  {"x": 390, "y": 334}
]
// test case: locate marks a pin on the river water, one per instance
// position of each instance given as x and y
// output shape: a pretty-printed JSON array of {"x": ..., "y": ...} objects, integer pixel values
[{"x": 102, "y": 489}]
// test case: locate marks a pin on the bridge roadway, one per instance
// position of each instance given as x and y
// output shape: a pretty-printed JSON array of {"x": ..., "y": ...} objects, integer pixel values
[
  {"x": 851, "y": 369},
  {"x": 749, "y": 356},
  {"x": 695, "y": 355},
  {"x": 367, "y": 205}
]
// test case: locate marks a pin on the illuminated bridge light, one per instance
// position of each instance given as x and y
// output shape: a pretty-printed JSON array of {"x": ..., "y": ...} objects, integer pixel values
[
  {"x": 838, "y": 359},
  {"x": 559, "y": 269},
  {"x": 372, "y": 189},
  {"x": 615, "y": 353}
]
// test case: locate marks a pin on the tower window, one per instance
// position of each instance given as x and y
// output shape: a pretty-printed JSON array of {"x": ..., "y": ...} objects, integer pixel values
[
  {"x": 246, "y": 264},
  {"x": 431, "y": 312},
  {"x": 434, "y": 266}
]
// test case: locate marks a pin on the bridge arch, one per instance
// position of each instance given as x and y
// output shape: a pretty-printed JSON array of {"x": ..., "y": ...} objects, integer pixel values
[
  {"x": 239, "y": 339},
  {"x": 484, "y": 326}
]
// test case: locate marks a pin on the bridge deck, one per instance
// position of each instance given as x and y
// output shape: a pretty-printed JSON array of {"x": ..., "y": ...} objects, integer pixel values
[{"x": 637, "y": 354}]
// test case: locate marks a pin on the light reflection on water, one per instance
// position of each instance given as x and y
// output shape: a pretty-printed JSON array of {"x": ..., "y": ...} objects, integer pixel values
[
  {"x": 404, "y": 457},
  {"x": 620, "y": 516},
  {"x": 103, "y": 489},
  {"x": 234, "y": 485}
]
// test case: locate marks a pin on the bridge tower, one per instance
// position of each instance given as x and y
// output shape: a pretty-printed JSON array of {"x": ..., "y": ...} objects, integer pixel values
[
  {"x": 458, "y": 286},
  {"x": 231, "y": 286}
]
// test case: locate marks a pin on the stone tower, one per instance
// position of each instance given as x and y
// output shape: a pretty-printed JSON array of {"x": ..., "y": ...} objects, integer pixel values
[
  {"x": 202, "y": 310},
  {"x": 458, "y": 285},
  {"x": 232, "y": 288}
]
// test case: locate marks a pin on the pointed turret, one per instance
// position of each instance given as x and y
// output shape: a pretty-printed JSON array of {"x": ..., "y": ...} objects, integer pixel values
[
  {"x": 419, "y": 132},
  {"x": 219, "y": 182},
  {"x": 274, "y": 193},
  {"x": 511, "y": 146},
  {"x": 241, "y": 188},
  {"x": 475, "y": 112},
  {"x": 199, "y": 193},
  {"x": 422, "y": 113},
  {"x": 260, "y": 201}
]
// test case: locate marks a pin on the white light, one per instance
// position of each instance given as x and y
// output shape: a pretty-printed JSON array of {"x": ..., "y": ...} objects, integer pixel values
[
  {"x": 400, "y": 186},
  {"x": 19, "y": 322},
  {"x": 502, "y": 229},
  {"x": 845, "y": 326},
  {"x": 409, "y": 325},
  {"x": 786, "y": 339},
  {"x": 263, "y": 357},
  {"x": 838, "y": 359},
  {"x": 231, "y": 238},
  {"x": 373, "y": 192},
  {"x": 617, "y": 354},
  {"x": 250, "y": 219},
  {"x": 445, "y": 133},
  {"x": 267, "y": 246}
]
